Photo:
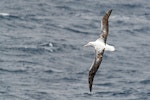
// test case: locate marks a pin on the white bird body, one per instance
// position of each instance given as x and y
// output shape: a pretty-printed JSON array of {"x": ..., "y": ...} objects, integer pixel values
[{"x": 99, "y": 45}]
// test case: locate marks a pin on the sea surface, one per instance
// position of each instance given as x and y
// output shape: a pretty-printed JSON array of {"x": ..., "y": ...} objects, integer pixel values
[{"x": 42, "y": 55}]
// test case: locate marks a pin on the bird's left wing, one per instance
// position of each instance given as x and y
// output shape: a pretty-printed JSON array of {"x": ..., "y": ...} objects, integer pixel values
[
  {"x": 94, "y": 67},
  {"x": 105, "y": 26}
]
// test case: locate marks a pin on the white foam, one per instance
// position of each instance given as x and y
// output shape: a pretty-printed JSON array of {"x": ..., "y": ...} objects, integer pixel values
[{"x": 4, "y": 14}]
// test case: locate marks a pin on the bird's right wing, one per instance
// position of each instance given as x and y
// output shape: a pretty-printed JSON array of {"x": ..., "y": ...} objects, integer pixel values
[
  {"x": 105, "y": 26},
  {"x": 94, "y": 67}
]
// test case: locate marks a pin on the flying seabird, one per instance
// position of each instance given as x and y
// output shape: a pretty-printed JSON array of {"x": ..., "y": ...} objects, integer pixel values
[{"x": 100, "y": 46}]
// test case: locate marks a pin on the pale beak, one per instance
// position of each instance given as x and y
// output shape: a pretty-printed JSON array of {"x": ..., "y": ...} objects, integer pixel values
[{"x": 86, "y": 45}]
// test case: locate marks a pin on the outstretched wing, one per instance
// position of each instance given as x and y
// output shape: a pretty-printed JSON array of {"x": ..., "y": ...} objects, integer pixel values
[
  {"x": 105, "y": 26},
  {"x": 94, "y": 67}
]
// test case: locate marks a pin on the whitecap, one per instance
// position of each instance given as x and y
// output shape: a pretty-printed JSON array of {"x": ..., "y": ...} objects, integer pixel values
[{"x": 4, "y": 14}]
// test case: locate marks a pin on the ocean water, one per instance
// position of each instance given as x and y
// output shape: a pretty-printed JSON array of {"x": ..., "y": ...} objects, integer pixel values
[{"x": 42, "y": 55}]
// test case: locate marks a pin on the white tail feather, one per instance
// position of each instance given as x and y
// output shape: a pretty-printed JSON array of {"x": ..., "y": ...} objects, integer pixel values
[{"x": 109, "y": 48}]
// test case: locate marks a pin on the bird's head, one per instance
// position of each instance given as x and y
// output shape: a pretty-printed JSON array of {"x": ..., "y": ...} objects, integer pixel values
[{"x": 89, "y": 44}]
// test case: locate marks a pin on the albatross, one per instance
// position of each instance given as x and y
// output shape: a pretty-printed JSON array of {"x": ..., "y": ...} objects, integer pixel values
[{"x": 100, "y": 46}]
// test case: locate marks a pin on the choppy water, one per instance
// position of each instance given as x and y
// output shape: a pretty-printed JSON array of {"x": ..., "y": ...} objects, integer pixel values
[{"x": 42, "y": 55}]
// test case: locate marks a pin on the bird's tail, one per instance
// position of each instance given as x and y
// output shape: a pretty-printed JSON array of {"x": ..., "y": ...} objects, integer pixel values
[{"x": 109, "y": 48}]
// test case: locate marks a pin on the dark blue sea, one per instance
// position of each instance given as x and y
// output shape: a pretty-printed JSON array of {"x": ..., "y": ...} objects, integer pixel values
[{"x": 42, "y": 55}]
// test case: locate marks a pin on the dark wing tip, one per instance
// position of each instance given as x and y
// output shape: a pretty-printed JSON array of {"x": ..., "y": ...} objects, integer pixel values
[
  {"x": 90, "y": 87},
  {"x": 91, "y": 77},
  {"x": 108, "y": 13}
]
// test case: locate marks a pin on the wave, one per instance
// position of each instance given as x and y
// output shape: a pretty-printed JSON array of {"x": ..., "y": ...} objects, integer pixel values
[
  {"x": 12, "y": 70},
  {"x": 4, "y": 14}
]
